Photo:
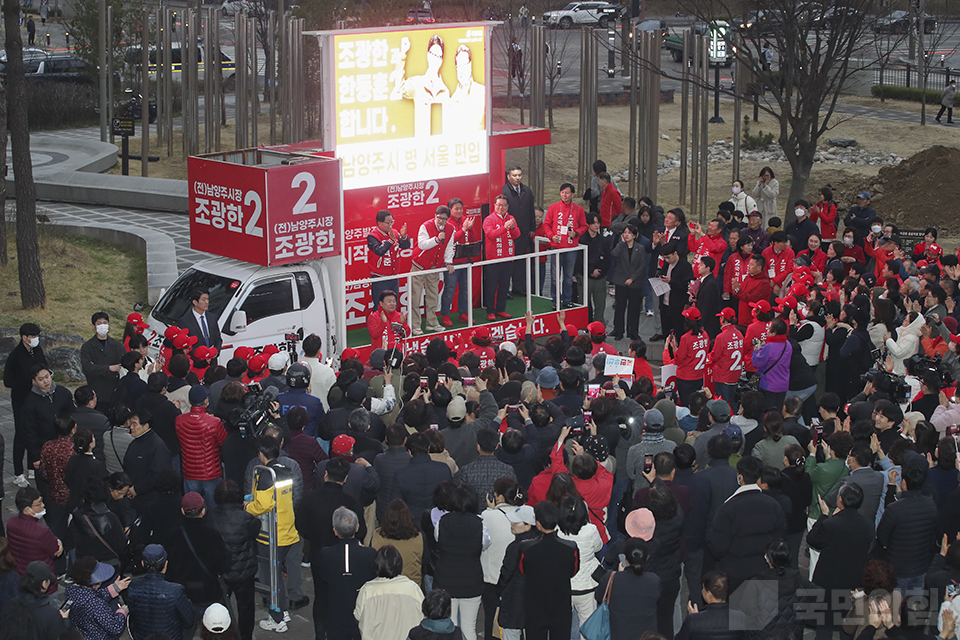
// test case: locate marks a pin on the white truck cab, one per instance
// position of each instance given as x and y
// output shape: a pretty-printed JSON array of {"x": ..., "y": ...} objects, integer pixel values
[{"x": 257, "y": 305}]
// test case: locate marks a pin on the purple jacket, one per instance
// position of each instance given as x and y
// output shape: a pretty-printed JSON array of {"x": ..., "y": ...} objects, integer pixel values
[{"x": 772, "y": 361}]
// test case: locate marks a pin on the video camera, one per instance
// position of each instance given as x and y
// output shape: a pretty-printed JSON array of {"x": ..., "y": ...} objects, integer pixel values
[
  {"x": 921, "y": 365},
  {"x": 256, "y": 408},
  {"x": 748, "y": 382},
  {"x": 885, "y": 382}
]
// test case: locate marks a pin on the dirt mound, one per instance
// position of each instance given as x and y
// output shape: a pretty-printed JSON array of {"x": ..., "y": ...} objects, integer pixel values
[{"x": 914, "y": 194}]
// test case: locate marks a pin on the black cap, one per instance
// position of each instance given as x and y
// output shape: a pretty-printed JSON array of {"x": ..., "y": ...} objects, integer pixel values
[{"x": 29, "y": 329}]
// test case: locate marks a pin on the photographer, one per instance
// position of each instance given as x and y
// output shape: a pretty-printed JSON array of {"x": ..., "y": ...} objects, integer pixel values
[{"x": 929, "y": 399}]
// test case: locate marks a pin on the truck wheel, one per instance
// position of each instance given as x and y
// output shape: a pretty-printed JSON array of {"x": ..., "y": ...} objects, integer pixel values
[
  {"x": 676, "y": 55},
  {"x": 566, "y": 22}
]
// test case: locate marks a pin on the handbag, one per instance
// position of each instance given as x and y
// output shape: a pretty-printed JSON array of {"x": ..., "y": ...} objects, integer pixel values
[{"x": 597, "y": 626}]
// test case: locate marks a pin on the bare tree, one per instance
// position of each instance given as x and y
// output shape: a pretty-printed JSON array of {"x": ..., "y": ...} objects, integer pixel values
[
  {"x": 32, "y": 293},
  {"x": 819, "y": 50},
  {"x": 557, "y": 63},
  {"x": 4, "y": 258}
]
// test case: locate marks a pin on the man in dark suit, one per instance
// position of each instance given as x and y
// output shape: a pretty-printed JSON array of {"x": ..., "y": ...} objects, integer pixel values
[
  {"x": 844, "y": 541},
  {"x": 415, "y": 483},
  {"x": 678, "y": 273},
  {"x": 548, "y": 564},
  {"x": 205, "y": 326},
  {"x": 715, "y": 620},
  {"x": 520, "y": 202},
  {"x": 870, "y": 481},
  {"x": 707, "y": 296},
  {"x": 340, "y": 571},
  {"x": 744, "y": 526}
]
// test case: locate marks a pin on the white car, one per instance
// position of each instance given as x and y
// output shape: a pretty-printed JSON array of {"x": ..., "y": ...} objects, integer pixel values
[{"x": 602, "y": 13}]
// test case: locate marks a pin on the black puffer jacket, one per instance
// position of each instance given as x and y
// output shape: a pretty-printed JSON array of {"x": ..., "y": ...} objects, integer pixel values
[
  {"x": 667, "y": 536},
  {"x": 511, "y": 583},
  {"x": 908, "y": 531},
  {"x": 239, "y": 530},
  {"x": 794, "y": 594}
]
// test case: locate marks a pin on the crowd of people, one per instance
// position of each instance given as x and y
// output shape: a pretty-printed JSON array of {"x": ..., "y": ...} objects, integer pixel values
[{"x": 795, "y": 467}]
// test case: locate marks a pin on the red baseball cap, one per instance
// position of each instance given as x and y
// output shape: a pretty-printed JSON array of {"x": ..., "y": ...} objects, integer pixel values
[
  {"x": 137, "y": 319},
  {"x": 270, "y": 349},
  {"x": 762, "y": 306},
  {"x": 799, "y": 289},
  {"x": 342, "y": 444},
  {"x": 571, "y": 330},
  {"x": 184, "y": 341},
  {"x": 727, "y": 313},
  {"x": 349, "y": 353},
  {"x": 935, "y": 249},
  {"x": 171, "y": 332},
  {"x": 244, "y": 352},
  {"x": 201, "y": 353},
  {"x": 955, "y": 339},
  {"x": 481, "y": 332},
  {"x": 789, "y": 301},
  {"x": 257, "y": 363},
  {"x": 596, "y": 328},
  {"x": 693, "y": 313}
]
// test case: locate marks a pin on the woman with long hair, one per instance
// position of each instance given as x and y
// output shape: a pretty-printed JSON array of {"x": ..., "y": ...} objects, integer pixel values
[
  {"x": 690, "y": 355},
  {"x": 82, "y": 467},
  {"x": 389, "y": 605},
  {"x": 824, "y": 212},
  {"x": 796, "y": 485},
  {"x": 770, "y": 450},
  {"x": 576, "y": 527},
  {"x": 507, "y": 498},
  {"x": 634, "y": 593},
  {"x": 667, "y": 538},
  {"x": 399, "y": 529}
]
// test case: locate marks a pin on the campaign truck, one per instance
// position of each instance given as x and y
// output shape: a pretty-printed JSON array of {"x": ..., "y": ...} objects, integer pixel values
[{"x": 406, "y": 127}]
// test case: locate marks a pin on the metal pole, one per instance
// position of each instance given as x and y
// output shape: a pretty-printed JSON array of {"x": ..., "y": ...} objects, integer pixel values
[
  {"x": 634, "y": 71},
  {"x": 626, "y": 45},
  {"x": 537, "y": 107},
  {"x": 240, "y": 107},
  {"x": 922, "y": 61},
  {"x": 110, "y": 67},
  {"x": 195, "y": 33},
  {"x": 716, "y": 119},
  {"x": 217, "y": 96},
  {"x": 284, "y": 76},
  {"x": 158, "y": 18},
  {"x": 102, "y": 58},
  {"x": 704, "y": 110},
  {"x": 270, "y": 94},
  {"x": 695, "y": 127},
  {"x": 145, "y": 94},
  {"x": 255, "y": 84},
  {"x": 737, "y": 112},
  {"x": 168, "y": 78},
  {"x": 684, "y": 115},
  {"x": 656, "y": 51}
]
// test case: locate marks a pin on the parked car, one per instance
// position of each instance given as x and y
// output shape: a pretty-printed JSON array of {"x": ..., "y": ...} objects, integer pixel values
[
  {"x": 760, "y": 23},
  {"x": 63, "y": 69},
  {"x": 899, "y": 22},
  {"x": 654, "y": 25},
  {"x": 420, "y": 16},
  {"x": 836, "y": 18},
  {"x": 600, "y": 13},
  {"x": 31, "y": 60}
]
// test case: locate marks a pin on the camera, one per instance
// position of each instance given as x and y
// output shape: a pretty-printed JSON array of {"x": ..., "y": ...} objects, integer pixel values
[
  {"x": 747, "y": 382},
  {"x": 885, "y": 382},
  {"x": 920, "y": 366},
  {"x": 255, "y": 410}
]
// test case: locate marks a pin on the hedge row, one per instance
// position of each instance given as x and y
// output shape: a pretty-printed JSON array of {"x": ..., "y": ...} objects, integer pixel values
[{"x": 903, "y": 93}]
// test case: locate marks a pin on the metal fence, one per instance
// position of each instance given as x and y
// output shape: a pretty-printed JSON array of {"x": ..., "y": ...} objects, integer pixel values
[{"x": 909, "y": 76}]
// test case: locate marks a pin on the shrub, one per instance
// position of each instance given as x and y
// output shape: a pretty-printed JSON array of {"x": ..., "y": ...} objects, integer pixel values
[
  {"x": 760, "y": 141},
  {"x": 58, "y": 105},
  {"x": 903, "y": 93}
]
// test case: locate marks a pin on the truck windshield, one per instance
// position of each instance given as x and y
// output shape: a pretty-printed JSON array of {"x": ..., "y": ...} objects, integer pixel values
[{"x": 176, "y": 301}]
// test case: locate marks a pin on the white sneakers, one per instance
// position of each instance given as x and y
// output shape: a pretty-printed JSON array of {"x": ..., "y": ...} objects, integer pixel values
[
  {"x": 21, "y": 481},
  {"x": 270, "y": 625}
]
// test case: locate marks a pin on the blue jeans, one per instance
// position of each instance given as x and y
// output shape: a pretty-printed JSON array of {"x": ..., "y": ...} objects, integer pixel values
[
  {"x": 457, "y": 279},
  {"x": 205, "y": 488},
  {"x": 728, "y": 393},
  {"x": 568, "y": 262},
  {"x": 911, "y": 586}
]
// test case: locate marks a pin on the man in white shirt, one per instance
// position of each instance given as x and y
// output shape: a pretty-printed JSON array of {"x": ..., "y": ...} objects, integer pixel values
[{"x": 322, "y": 376}]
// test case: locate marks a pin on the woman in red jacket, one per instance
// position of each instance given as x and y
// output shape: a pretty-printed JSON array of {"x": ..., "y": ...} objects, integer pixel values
[
  {"x": 690, "y": 355},
  {"x": 824, "y": 211},
  {"x": 851, "y": 252},
  {"x": 736, "y": 268},
  {"x": 762, "y": 315}
]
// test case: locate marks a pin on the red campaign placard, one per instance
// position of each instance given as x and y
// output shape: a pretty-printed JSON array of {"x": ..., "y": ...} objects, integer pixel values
[
  {"x": 303, "y": 211},
  {"x": 513, "y": 330},
  {"x": 227, "y": 209}
]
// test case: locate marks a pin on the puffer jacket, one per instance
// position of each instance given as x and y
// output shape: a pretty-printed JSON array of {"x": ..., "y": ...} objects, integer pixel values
[
  {"x": 511, "y": 584},
  {"x": 772, "y": 360},
  {"x": 93, "y": 614},
  {"x": 908, "y": 531},
  {"x": 239, "y": 530},
  {"x": 38, "y": 415},
  {"x": 791, "y": 598},
  {"x": 158, "y": 606},
  {"x": 907, "y": 344},
  {"x": 667, "y": 536},
  {"x": 201, "y": 436}
]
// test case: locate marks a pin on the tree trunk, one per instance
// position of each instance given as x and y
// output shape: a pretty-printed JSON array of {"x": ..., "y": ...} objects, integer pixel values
[
  {"x": 800, "y": 166},
  {"x": 4, "y": 258},
  {"x": 32, "y": 293}
]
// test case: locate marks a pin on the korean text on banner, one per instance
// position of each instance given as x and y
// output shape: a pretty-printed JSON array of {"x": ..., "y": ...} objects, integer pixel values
[{"x": 618, "y": 366}]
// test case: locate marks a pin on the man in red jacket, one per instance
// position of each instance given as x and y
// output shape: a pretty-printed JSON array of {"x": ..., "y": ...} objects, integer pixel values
[
  {"x": 201, "y": 436},
  {"x": 31, "y": 540},
  {"x": 383, "y": 246},
  {"x": 500, "y": 231},
  {"x": 432, "y": 241},
  {"x": 779, "y": 259},
  {"x": 755, "y": 287},
  {"x": 566, "y": 222},
  {"x": 380, "y": 323},
  {"x": 611, "y": 204},
  {"x": 465, "y": 231},
  {"x": 726, "y": 357},
  {"x": 710, "y": 243}
]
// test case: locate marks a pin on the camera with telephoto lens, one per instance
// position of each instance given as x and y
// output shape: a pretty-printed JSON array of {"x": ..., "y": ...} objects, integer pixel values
[
  {"x": 256, "y": 409},
  {"x": 885, "y": 382},
  {"x": 747, "y": 382}
]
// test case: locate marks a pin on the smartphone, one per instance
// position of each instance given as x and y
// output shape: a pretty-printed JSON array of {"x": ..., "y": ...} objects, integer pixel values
[
  {"x": 513, "y": 408},
  {"x": 424, "y": 381},
  {"x": 469, "y": 382},
  {"x": 66, "y": 605},
  {"x": 442, "y": 378},
  {"x": 623, "y": 560},
  {"x": 647, "y": 463},
  {"x": 587, "y": 415},
  {"x": 593, "y": 391},
  {"x": 610, "y": 393},
  {"x": 435, "y": 426},
  {"x": 693, "y": 225},
  {"x": 953, "y": 590}
]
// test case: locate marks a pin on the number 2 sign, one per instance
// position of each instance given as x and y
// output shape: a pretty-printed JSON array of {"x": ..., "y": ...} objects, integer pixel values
[{"x": 265, "y": 214}]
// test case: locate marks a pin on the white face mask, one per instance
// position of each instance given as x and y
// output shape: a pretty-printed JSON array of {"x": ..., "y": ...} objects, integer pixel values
[
  {"x": 848, "y": 242},
  {"x": 103, "y": 329},
  {"x": 800, "y": 212},
  {"x": 34, "y": 342},
  {"x": 736, "y": 190},
  {"x": 39, "y": 514},
  {"x": 876, "y": 228}
]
